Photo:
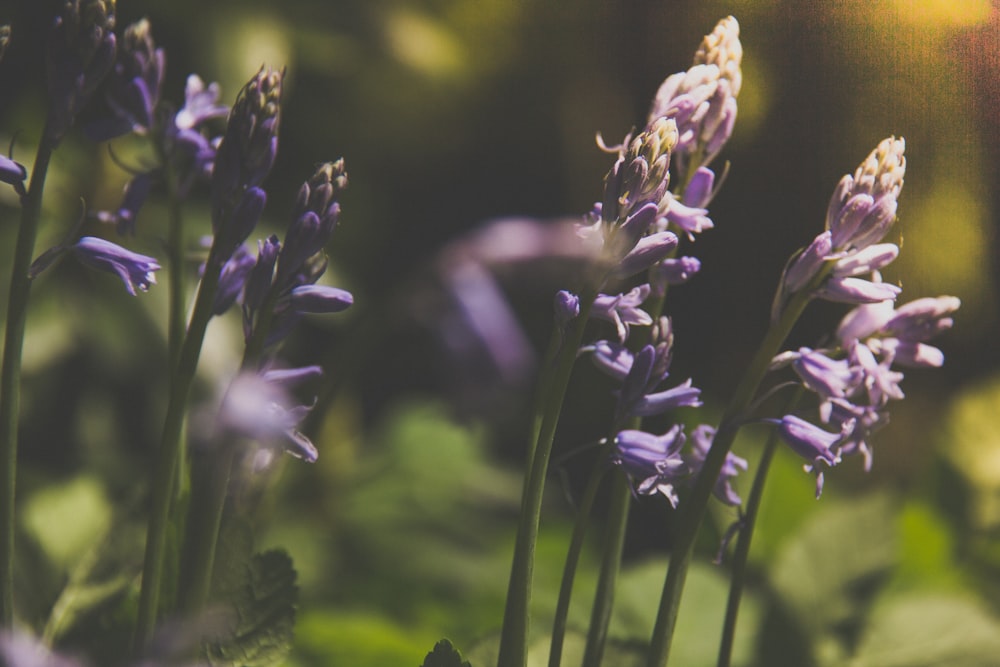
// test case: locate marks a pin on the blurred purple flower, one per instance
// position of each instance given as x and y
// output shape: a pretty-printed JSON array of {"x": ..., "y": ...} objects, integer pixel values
[
  {"x": 701, "y": 442},
  {"x": 623, "y": 310}
]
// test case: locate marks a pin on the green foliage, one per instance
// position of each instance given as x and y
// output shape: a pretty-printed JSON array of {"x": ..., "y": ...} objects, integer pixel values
[
  {"x": 259, "y": 595},
  {"x": 444, "y": 655}
]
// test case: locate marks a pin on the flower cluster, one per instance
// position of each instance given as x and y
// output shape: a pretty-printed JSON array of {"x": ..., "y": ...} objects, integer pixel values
[
  {"x": 855, "y": 379},
  {"x": 636, "y": 227}
]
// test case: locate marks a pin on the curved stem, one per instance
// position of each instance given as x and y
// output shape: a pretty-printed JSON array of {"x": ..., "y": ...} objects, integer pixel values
[
  {"x": 614, "y": 542},
  {"x": 514, "y": 636},
  {"x": 165, "y": 470},
  {"x": 695, "y": 505},
  {"x": 572, "y": 560},
  {"x": 10, "y": 374}
]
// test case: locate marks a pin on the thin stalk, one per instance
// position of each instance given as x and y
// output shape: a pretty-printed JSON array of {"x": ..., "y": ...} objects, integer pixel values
[
  {"x": 695, "y": 505},
  {"x": 742, "y": 552},
  {"x": 212, "y": 488},
  {"x": 10, "y": 374},
  {"x": 572, "y": 560},
  {"x": 514, "y": 636},
  {"x": 614, "y": 542},
  {"x": 165, "y": 471}
]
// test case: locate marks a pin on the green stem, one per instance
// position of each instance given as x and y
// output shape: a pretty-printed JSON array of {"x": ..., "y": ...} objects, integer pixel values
[
  {"x": 742, "y": 551},
  {"x": 212, "y": 487},
  {"x": 572, "y": 560},
  {"x": 695, "y": 505},
  {"x": 10, "y": 375},
  {"x": 614, "y": 542},
  {"x": 514, "y": 636},
  {"x": 168, "y": 454}
]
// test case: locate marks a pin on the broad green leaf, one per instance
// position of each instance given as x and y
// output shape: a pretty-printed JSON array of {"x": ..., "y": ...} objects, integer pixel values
[
  {"x": 927, "y": 630},
  {"x": 826, "y": 574},
  {"x": 258, "y": 595},
  {"x": 444, "y": 655}
]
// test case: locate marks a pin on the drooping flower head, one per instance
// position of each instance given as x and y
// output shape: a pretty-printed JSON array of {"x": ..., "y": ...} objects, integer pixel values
[
  {"x": 653, "y": 462},
  {"x": 135, "y": 270},
  {"x": 80, "y": 53},
  {"x": 701, "y": 442}
]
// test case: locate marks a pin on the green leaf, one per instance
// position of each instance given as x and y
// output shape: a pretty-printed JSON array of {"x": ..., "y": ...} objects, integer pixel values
[
  {"x": 444, "y": 655},
  {"x": 260, "y": 594},
  {"x": 927, "y": 630}
]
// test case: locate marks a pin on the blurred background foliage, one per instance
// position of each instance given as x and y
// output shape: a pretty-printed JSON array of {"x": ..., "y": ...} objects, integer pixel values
[{"x": 451, "y": 113}]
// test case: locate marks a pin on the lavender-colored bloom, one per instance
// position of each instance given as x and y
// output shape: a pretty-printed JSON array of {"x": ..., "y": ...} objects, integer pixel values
[
  {"x": 248, "y": 148},
  {"x": 132, "y": 90},
  {"x": 566, "y": 306},
  {"x": 314, "y": 217},
  {"x": 807, "y": 264},
  {"x": 246, "y": 214},
  {"x": 233, "y": 279},
  {"x": 923, "y": 319},
  {"x": 612, "y": 358},
  {"x": 201, "y": 104},
  {"x": 135, "y": 270},
  {"x": 681, "y": 396},
  {"x": 262, "y": 410},
  {"x": 647, "y": 252},
  {"x": 830, "y": 378},
  {"x": 856, "y": 290},
  {"x": 674, "y": 271},
  {"x": 640, "y": 175},
  {"x": 702, "y": 100},
  {"x": 863, "y": 321},
  {"x": 700, "y": 189},
  {"x": 13, "y": 173},
  {"x": 133, "y": 197},
  {"x": 319, "y": 299},
  {"x": 879, "y": 380},
  {"x": 872, "y": 258},
  {"x": 688, "y": 219},
  {"x": 653, "y": 462},
  {"x": 858, "y": 423},
  {"x": 863, "y": 206},
  {"x": 20, "y": 650},
  {"x": 701, "y": 442},
  {"x": 80, "y": 53},
  {"x": 812, "y": 443},
  {"x": 623, "y": 310},
  {"x": 262, "y": 274}
]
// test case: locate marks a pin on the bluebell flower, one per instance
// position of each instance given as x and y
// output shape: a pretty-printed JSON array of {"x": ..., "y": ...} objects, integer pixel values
[
  {"x": 566, "y": 306},
  {"x": 233, "y": 279},
  {"x": 623, "y": 310},
  {"x": 80, "y": 52},
  {"x": 653, "y": 462},
  {"x": 701, "y": 442},
  {"x": 135, "y": 270},
  {"x": 863, "y": 206},
  {"x": 319, "y": 299},
  {"x": 259, "y": 407},
  {"x": 674, "y": 271},
  {"x": 314, "y": 218},
  {"x": 201, "y": 103},
  {"x": 135, "y": 194},
  {"x": 13, "y": 173},
  {"x": 640, "y": 175},
  {"x": 812, "y": 443}
]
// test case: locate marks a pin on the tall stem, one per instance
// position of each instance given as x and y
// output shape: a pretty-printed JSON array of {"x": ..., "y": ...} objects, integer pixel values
[
  {"x": 514, "y": 636},
  {"x": 742, "y": 552},
  {"x": 604, "y": 597},
  {"x": 10, "y": 374},
  {"x": 572, "y": 560},
  {"x": 695, "y": 505},
  {"x": 165, "y": 470}
]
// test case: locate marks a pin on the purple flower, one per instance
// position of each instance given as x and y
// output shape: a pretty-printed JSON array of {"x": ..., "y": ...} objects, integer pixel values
[
  {"x": 923, "y": 319},
  {"x": 873, "y": 258},
  {"x": 863, "y": 206},
  {"x": 674, "y": 271},
  {"x": 857, "y": 290},
  {"x": 566, "y": 306},
  {"x": 319, "y": 299},
  {"x": 807, "y": 264},
  {"x": 641, "y": 174},
  {"x": 647, "y": 252},
  {"x": 233, "y": 279},
  {"x": 200, "y": 104},
  {"x": 700, "y": 189},
  {"x": 80, "y": 53},
  {"x": 701, "y": 442},
  {"x": 133, "y": 87},
  {"x": 652, "y": 462},
  {"x": 623, "y": 310},
  {"x": 830, "y": 378},
  {"x": 262, "y": 274},
  {"x": 812, "y": 443},
  {"x": 259, "y": 408},
  {"x": 612, "y": 358},
  {"x": 248, "y": 149},
  {"x": 881, "y": 382},
  {"x": 13, "y": 173},
  {"x": 20, "y": 650},
  {"x": 133, "y": 197},
  {"x": 135, "y": 270},
  {"x": 314, "y": 217},
  {"x": 689, "y": 220}
]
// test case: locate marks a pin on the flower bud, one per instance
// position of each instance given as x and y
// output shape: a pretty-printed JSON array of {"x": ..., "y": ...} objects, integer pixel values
[{"x": 863, "y": 206}]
